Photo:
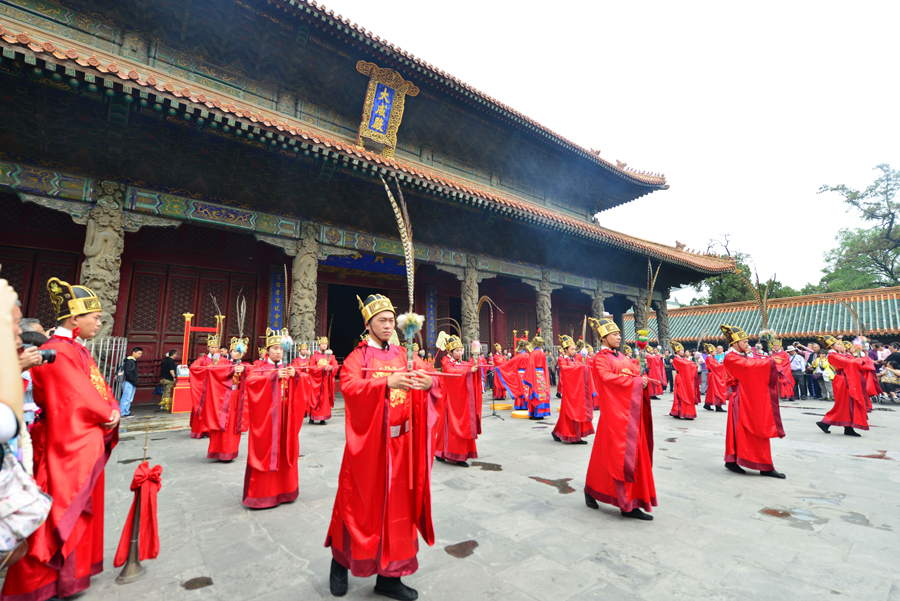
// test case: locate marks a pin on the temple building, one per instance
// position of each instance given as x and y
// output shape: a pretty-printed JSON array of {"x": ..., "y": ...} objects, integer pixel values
[
  {"x": 875, "y": 312},
  {"x": 177, "y": 156}
]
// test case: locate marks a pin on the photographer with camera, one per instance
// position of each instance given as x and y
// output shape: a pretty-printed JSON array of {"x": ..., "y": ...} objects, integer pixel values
[{"x": 73, "y": 439}]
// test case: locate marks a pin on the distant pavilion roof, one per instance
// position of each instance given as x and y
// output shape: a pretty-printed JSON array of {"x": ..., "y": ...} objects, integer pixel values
[{"x": 795, "y": 317}]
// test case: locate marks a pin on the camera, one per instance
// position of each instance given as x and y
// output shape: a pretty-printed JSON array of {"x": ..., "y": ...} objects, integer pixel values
[{"x": 48, "y": 355}]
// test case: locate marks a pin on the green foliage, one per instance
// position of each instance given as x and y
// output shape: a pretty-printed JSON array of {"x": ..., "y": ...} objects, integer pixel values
[
  {"x": 867, "y": 257},
  {"x": 726, "y": 288}
]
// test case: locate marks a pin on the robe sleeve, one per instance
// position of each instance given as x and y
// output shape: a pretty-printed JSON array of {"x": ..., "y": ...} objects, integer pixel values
[
  {"x": 621, "y": 399},
  {"x": 509, "y": 375},
  {"x": 578, "y": 394},
  {"x": 757, "y": 380}
]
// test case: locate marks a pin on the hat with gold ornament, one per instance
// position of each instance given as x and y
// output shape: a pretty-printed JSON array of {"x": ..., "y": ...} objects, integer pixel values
[
  {"x": 603, "y": 327},
  {"x": 626, "y": 349},
  {"x": 375, "y": 304},
  {"x": 537, "y": 342},
  {"x": 777, "y": 342},
  {"x": 565, "y": 342},
  {"x": 826, "y": 342},
  {"x": 278, "y": 338},
  {"x": 579, "y": 345},
  {"x": 70, "y": 301},
  {"x": 589, "y": 348},
  {"x": 322, "y": 341},
  {"x": 262, "y": 352},
  {"x": 239, "y": 344},
  {"x": 453, "y": 342},
  {"x": 302, "y": 346},
  {"x": 497, "y": 346},
  {"x": 733, "y": 334},
  {"x": 212, "y": 340},
  {"x": 676, "y": 346},
  {"x": 521, "y": 345},
  {"x": 710, "y": 349}
]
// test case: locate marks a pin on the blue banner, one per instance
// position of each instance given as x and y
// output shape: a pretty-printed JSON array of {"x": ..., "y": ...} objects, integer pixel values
[
  {"x": 381, "y": 108},
  {"x": 276, "y": 297}
]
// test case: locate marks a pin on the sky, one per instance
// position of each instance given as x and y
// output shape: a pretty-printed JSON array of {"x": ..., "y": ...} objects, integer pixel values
[{"x": 747, "y": 108}]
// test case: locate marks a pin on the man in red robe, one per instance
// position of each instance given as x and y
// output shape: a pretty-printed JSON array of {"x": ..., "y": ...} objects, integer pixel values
[
  {"x": 514, "y": 376},
  {"x": 457, "y": 428},
  {"x": 278, "y": 395},
  {"x": 656, "y": 372},
  {"x": 849, "y": 386},
  {"x": 384, "y": 487},
  {"x": 785, "y": 378},
  {"x": 620, "y": 472},
  {"x": 72, "y": 441},
  {"x": 198, "y": 383},
  {"x": 576, "y": 413},
  {"x": 262, "y": 353},
  {"x": 716, "y": 387},
  {"x": 224, "y": 414},
  {"x": 323, "y": 392},
  {"x": 302, "y": 364},
  {"x": 539, "y": 376},
  {"x": 754, "y": 415},
  {"x": 499, "y": 359},
  {"x": 687, "y": 385}
]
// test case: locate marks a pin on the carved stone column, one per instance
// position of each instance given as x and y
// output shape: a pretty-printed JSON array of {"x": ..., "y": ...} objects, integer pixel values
[
  {"x": 662, "y": 325},
  {"x": 304, "y": 276},
  {"x": 103, "y": 246},
  {"x": 640, "y": 310},
  {"x": 543, "y": 290},
  {"x": 470, "y": 302}
]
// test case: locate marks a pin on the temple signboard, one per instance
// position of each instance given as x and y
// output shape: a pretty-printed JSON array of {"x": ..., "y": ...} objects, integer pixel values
[{"x": 383, "y": 107}]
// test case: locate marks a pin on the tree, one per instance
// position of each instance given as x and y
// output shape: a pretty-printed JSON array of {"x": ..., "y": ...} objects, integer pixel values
[{"x": 867, "y": 257}]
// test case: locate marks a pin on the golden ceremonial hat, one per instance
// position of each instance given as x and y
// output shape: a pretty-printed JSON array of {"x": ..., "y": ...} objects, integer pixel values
[
  {"x": 261, "y": 352},
  {"x": 302, "y": 346},
  {"x": 733, "y": 334},
  {"x": 521, "y": 345},
  {"x": 826, "y": 342},
  {"x": 497, "y": 346},
  {"x": 603, "y": 327},
  {"x": 777, "y": 342},
  {"x": 566, "y": 341},
  {"x": 710, "y": 349},
  {"x": 537, "y": 342},
  {"x": 676, "y": 346},
  {"x": 453, "y": 342},
  {"x": 626, "y": 349},
  {"x": 239, "y": 341},
  {"x": 70, "y": 301},
  {"x": 212, "y": 340},
  {"x": 375, "y": 304},
  {"x": 274, "y": 337},
  {"x": 322, "y": 340},
  {"x": 589, "y": 348}
]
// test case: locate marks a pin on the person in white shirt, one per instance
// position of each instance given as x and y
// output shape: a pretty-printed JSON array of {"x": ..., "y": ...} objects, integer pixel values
[{"x": 798, "y": 371}]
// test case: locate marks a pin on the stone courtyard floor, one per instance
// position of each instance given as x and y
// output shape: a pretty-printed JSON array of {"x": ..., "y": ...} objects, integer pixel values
[{"x": 829, "y": 531}]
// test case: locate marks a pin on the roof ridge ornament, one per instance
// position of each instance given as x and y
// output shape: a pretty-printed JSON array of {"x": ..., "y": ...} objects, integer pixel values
[{"x": 383, "y": 106}]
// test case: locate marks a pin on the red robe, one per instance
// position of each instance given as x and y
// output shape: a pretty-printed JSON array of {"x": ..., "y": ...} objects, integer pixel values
[
  {"x": 563, "y": 361},
  {"x": 873, "y": 386},
  {"x": 620, "y": 472},
  {"x": 716, "y": 387},
  {"x": 377, "y": 510},
  {"x": 687, "y": 388},
  {"x": 223, "y": 408},
  {"x": 850, "y": 393},
  {"x": 576, "y": 415},
  {"x": 539, "y": 402},
  {"x": 499, "y": 391},
  {"x": 70, "y": 453},
  {"x": 785, "y": 378},
  {"x": 513, "y": 376},
  {"x": 323, "y": 386},
  {"x": 198, "y": 392},
  {"x": 276, "y": 414},
  {"x": 457, "y": 428},
  {"x": 754, "y": 415},
  {"x": 656, "y": 370}
]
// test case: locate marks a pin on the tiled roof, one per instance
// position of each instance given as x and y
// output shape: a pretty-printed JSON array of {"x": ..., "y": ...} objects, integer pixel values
[
  {"x": 346, "y": 26},
  {"x": 180, "y": 93},
  {"x": 796, "y": 317}
]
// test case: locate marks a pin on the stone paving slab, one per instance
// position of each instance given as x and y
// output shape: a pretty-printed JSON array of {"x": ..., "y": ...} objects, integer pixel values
[{"x": 829, "y": 530}]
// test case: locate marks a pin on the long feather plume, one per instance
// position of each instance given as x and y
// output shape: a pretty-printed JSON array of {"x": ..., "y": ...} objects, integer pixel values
[
  {"x": 215, "y": 304},
  {"x": 241, "y": 313},
  {"x": 402, "y": 217},
  {"x": 860, "y": 327},
  {"x": 453, "y": 322}
]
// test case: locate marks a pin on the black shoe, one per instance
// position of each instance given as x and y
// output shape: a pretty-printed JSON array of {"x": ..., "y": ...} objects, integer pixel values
[
  {"x": 708, "y": 407},
  {"x": 773, "y": 474},
  {"x": 580, "y": 442},
  {"x": 462, "y": 464},
  {"x": 637, "y": 514},
  {"x": 824, "y": 427},
  {"x": 734, "y": 467},
  {"x": 803, "y": 398},
  {"x": 655, "y": 398},
  {"x": 534, "y": 417},
  {"x": 311, "y": 421},
  {"x": 721, "y": 410},
  {"x": 590, "y": 501},
  {"x": 555, "y": 437},
  {"x": 851, "y": 432},
  {"x": 441, "y": 459},
  {"x": 393, "y": 588},
  {"x": 338, "y": 579},
  {"x": 322, "y": 423},
  {"x": 558, "y": 395}
]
